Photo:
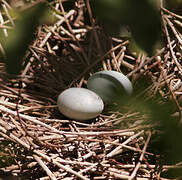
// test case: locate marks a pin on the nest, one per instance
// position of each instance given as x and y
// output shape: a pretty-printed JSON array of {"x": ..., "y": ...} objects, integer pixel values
[{"x": 38, "y": 142}]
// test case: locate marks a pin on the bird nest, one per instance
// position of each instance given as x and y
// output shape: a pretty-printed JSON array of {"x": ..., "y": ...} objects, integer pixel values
[{"x": 38, "y": 142}]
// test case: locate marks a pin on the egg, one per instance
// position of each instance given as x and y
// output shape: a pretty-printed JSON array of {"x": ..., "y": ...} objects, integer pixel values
[
  {"x": 111, "y": 86},
  {"x": 80, "y": 103}
]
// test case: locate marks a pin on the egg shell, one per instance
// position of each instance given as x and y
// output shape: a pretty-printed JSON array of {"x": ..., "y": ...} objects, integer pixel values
[
  {"x": 111, "y": 86},
  {"x": 80, "y": 103}
]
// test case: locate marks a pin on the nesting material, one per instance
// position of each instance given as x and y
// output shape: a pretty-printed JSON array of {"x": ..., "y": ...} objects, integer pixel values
[{"x": 37, "y": 143}]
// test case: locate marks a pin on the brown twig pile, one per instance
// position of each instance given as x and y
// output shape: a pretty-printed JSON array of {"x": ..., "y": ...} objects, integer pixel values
[{"x": 40, "y": 143}]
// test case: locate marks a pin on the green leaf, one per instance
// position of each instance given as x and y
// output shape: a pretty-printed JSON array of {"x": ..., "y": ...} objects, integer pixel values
[
  {"x": 108, "y": 13},
  {"x": 142, "y": 17},
  {"x": 21, "y": 36},
  {"x": 145, "y": 23},
  {"x": 169, "y": 141},
  {"x": 107, "y": 9}
]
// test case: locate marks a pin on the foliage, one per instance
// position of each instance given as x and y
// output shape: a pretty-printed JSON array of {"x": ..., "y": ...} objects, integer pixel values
[
  {"x": 21, "y": 36},
  {"x": 142, "y": 17}
]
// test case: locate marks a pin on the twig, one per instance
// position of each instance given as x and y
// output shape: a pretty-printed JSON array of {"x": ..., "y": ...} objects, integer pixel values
[
  {"x": 70, "y": 13},
  {"x": 147, "y": 61},
  {"x": 96, "y": 62},
  {"x": 2, "y": 22},
  {"x": 141, "y": 158},
  {"x": 46, "y": 169},
  {"x": 93, "y": 26},
  {"x": 70, "y": 29},
  {"x": 8, "y": 15},
  {"x": 170, "y": 45},
  {"x": 173, "y": 29},
  {"x": 119, "y": 148},
  {"x": 171, "y": 13},
  {"x": 3, "y": 130}
]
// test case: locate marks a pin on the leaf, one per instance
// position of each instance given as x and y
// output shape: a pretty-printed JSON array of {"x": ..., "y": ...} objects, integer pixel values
[
  {"x": 145, "y": 23},
  {"x": 169, "y": 142},
  {"x": 107, "y": 9},
  {"x": 108, "y": 13},
  {"x": 21, "y": 36},
  {"x": 142, "y": 17}
]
